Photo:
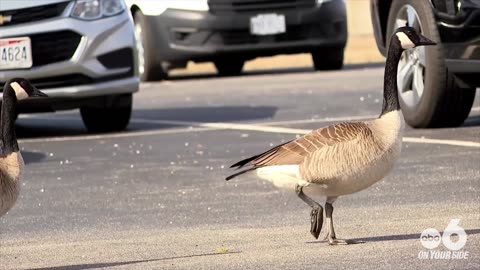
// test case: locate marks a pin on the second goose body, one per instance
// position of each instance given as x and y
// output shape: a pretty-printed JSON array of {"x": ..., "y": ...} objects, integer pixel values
[
  {"x": 11, "y": 161},
  {"x": 343, "y": 158}
]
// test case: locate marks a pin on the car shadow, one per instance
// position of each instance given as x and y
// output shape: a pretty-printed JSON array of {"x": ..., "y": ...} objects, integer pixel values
[
  {"x": 32, "y": 157},
  {"x": 472, "y": 121},
  {"x": 272, "y": 71},
  {"x": 113, "y": 264},
  {"x": 208, "y": 114},
  {"x": 70, "y": 124}
]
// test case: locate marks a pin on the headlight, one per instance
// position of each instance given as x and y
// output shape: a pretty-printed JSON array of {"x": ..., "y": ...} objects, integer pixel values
[
  {"x": 112, "y": 7},
  {"x": 96, "y": 9}
]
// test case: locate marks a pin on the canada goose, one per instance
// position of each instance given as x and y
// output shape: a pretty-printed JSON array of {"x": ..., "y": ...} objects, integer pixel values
[
  {"x": 11, "y": 161},
  {"x": 343, "y": 158}
]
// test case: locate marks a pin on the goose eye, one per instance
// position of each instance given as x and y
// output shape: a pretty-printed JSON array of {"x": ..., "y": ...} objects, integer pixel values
[{"x": 24, "y": 85}]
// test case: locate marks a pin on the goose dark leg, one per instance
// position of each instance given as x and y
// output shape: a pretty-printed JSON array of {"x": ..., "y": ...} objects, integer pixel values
[
  {"x": 331, "y": 237},
  {"x": 316, "y": 216}
]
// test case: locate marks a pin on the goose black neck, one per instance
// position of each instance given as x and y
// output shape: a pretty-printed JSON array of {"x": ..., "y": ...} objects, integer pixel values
[
  {"x": 8, "y": 138},
  {"x": 390, "y": 89}
]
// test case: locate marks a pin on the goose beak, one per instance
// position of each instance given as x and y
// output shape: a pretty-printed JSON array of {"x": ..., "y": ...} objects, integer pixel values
[
  {"x": 424, "y": 41},
  {"x": 37, "y": 93}
]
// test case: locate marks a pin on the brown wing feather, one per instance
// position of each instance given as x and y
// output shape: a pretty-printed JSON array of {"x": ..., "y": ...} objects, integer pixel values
[{"x": 294, "y": 152}]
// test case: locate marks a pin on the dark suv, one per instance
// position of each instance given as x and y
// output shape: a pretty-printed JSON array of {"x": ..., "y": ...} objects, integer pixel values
[
  {"x": 436, "y": 84},
  {"x": 229, "y": 32}
]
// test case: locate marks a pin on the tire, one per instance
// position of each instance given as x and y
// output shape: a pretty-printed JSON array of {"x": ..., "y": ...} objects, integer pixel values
[
  {"x": 441, "y": 103},
  {"x": 229, "y": 67},
  {"x": 148, "y": 68},
  {"x": 328, "y": 58},
  {"x": 113, "y": 115}
]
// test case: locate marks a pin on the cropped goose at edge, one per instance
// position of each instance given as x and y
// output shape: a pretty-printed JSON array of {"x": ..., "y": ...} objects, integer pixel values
[{"x": 11, "y": 161}]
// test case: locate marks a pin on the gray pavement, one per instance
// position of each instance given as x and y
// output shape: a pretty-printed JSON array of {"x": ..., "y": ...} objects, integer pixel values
[{"x": 154, "y": 197}]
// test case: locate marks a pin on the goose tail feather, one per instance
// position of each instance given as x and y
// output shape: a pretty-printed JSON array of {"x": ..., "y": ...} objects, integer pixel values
[{"x": 240, "y": 172}]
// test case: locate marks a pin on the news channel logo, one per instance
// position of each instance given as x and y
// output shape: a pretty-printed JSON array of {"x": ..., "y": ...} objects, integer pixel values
[{"x": 453, "y": 238}]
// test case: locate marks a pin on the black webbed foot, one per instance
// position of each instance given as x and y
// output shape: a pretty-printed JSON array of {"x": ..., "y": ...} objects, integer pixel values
[{"x": 316, "y": 218}]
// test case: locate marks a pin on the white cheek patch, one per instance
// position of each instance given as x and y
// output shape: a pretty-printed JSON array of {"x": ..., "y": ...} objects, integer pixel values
[
  {"x": 19, "y": 91},
  {"x": 405, "y": 41}
]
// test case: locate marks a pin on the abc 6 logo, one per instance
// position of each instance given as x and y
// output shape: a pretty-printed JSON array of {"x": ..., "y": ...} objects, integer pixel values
[{"x": 431, "y": 237}]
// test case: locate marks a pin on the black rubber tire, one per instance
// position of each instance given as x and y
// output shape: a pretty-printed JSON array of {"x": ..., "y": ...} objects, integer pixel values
[
  {"x": 328, "y": 58},
  {"x": 114, "y": 115},
  {"x": 443, "y": 103},
  {"x": 229, "y": 67},
  {"x": 153, "y": 69}
]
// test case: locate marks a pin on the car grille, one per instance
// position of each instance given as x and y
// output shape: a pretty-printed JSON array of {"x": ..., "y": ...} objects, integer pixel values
[
  {"x": 222, "y": 6},
  {"x": 54, "y": 47},
  {"x": 33, "y": 14}
]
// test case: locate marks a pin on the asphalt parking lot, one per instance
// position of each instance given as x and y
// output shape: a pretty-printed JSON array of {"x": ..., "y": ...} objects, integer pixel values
[{"x": 154, "y": 197}]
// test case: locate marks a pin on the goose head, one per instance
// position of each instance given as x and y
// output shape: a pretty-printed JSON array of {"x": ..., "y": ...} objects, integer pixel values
[
  {"x": 409, "y": 38},
  {"x": 22, "y": 88}
]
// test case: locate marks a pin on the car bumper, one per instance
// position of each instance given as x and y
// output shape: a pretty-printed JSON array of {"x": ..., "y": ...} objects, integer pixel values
[
  {"x": 66, "y": 98},
  {"x": 203, "y": 36},
  {"x": 77, "y": 59}
]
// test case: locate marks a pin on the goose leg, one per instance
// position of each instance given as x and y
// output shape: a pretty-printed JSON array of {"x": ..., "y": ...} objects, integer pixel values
[
  {"x": 331, "y": 237},
  {"x": 316, "y": 216}
]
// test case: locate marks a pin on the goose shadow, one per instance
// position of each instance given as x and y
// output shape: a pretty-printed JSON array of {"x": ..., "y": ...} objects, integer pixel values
[
  {"x": 396, "y": 237},
  {"x": 271, "y": 71},
  {"x": 113, "y": 264},
  {"x": 70, "y": 123}
]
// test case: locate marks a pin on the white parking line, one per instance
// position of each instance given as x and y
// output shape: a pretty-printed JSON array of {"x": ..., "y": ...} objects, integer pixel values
[
  {"x": 263, "y": 127},
  {"x": 438, "y": 141},
  {"x": 319, "y": 120},
  {"x": 476, "y": 109},
  {"x": 192, "y": 127},
  {"x": 269, "y": 129},
  {"x": 116, "y": 135}
]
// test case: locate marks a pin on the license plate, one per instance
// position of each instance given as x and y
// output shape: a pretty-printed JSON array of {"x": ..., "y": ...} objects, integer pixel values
[
  {"x": 15, "y": 53},
  {"x": 268, "y": 24}
]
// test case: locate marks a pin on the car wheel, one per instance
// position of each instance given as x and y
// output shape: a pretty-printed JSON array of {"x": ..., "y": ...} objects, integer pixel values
[
  {"x": 429, "y": 94},
  {"x": 229, "y": 67},
  {"x": 113, "y": 115},
  {"x": 148, "y": 69},
  {"x": 328, "y": 58}
]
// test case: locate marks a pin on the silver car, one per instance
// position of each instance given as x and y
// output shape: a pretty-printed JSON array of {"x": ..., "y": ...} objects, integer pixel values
[{"x": 79, "y": 52}]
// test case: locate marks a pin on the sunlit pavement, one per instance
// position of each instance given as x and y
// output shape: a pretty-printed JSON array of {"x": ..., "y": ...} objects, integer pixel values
[{"x": 154, "y": 197}]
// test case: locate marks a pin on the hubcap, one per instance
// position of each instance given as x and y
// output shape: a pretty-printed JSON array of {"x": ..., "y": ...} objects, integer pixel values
[
  {"x": 411, "y": 68},
  {"x": 140, "y": 48}
]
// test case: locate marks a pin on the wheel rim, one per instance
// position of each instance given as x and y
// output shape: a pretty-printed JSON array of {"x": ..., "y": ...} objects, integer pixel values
[
  {"x": 411, "y": 68},
  {"x": 140, "y": 48}
]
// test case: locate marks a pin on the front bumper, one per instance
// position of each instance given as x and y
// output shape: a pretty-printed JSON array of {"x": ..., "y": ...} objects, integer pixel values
[
  {"x": 75, "y": 59},
  {"x": 203, "y": 36},
  {"x": 72, "y": 97}
]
